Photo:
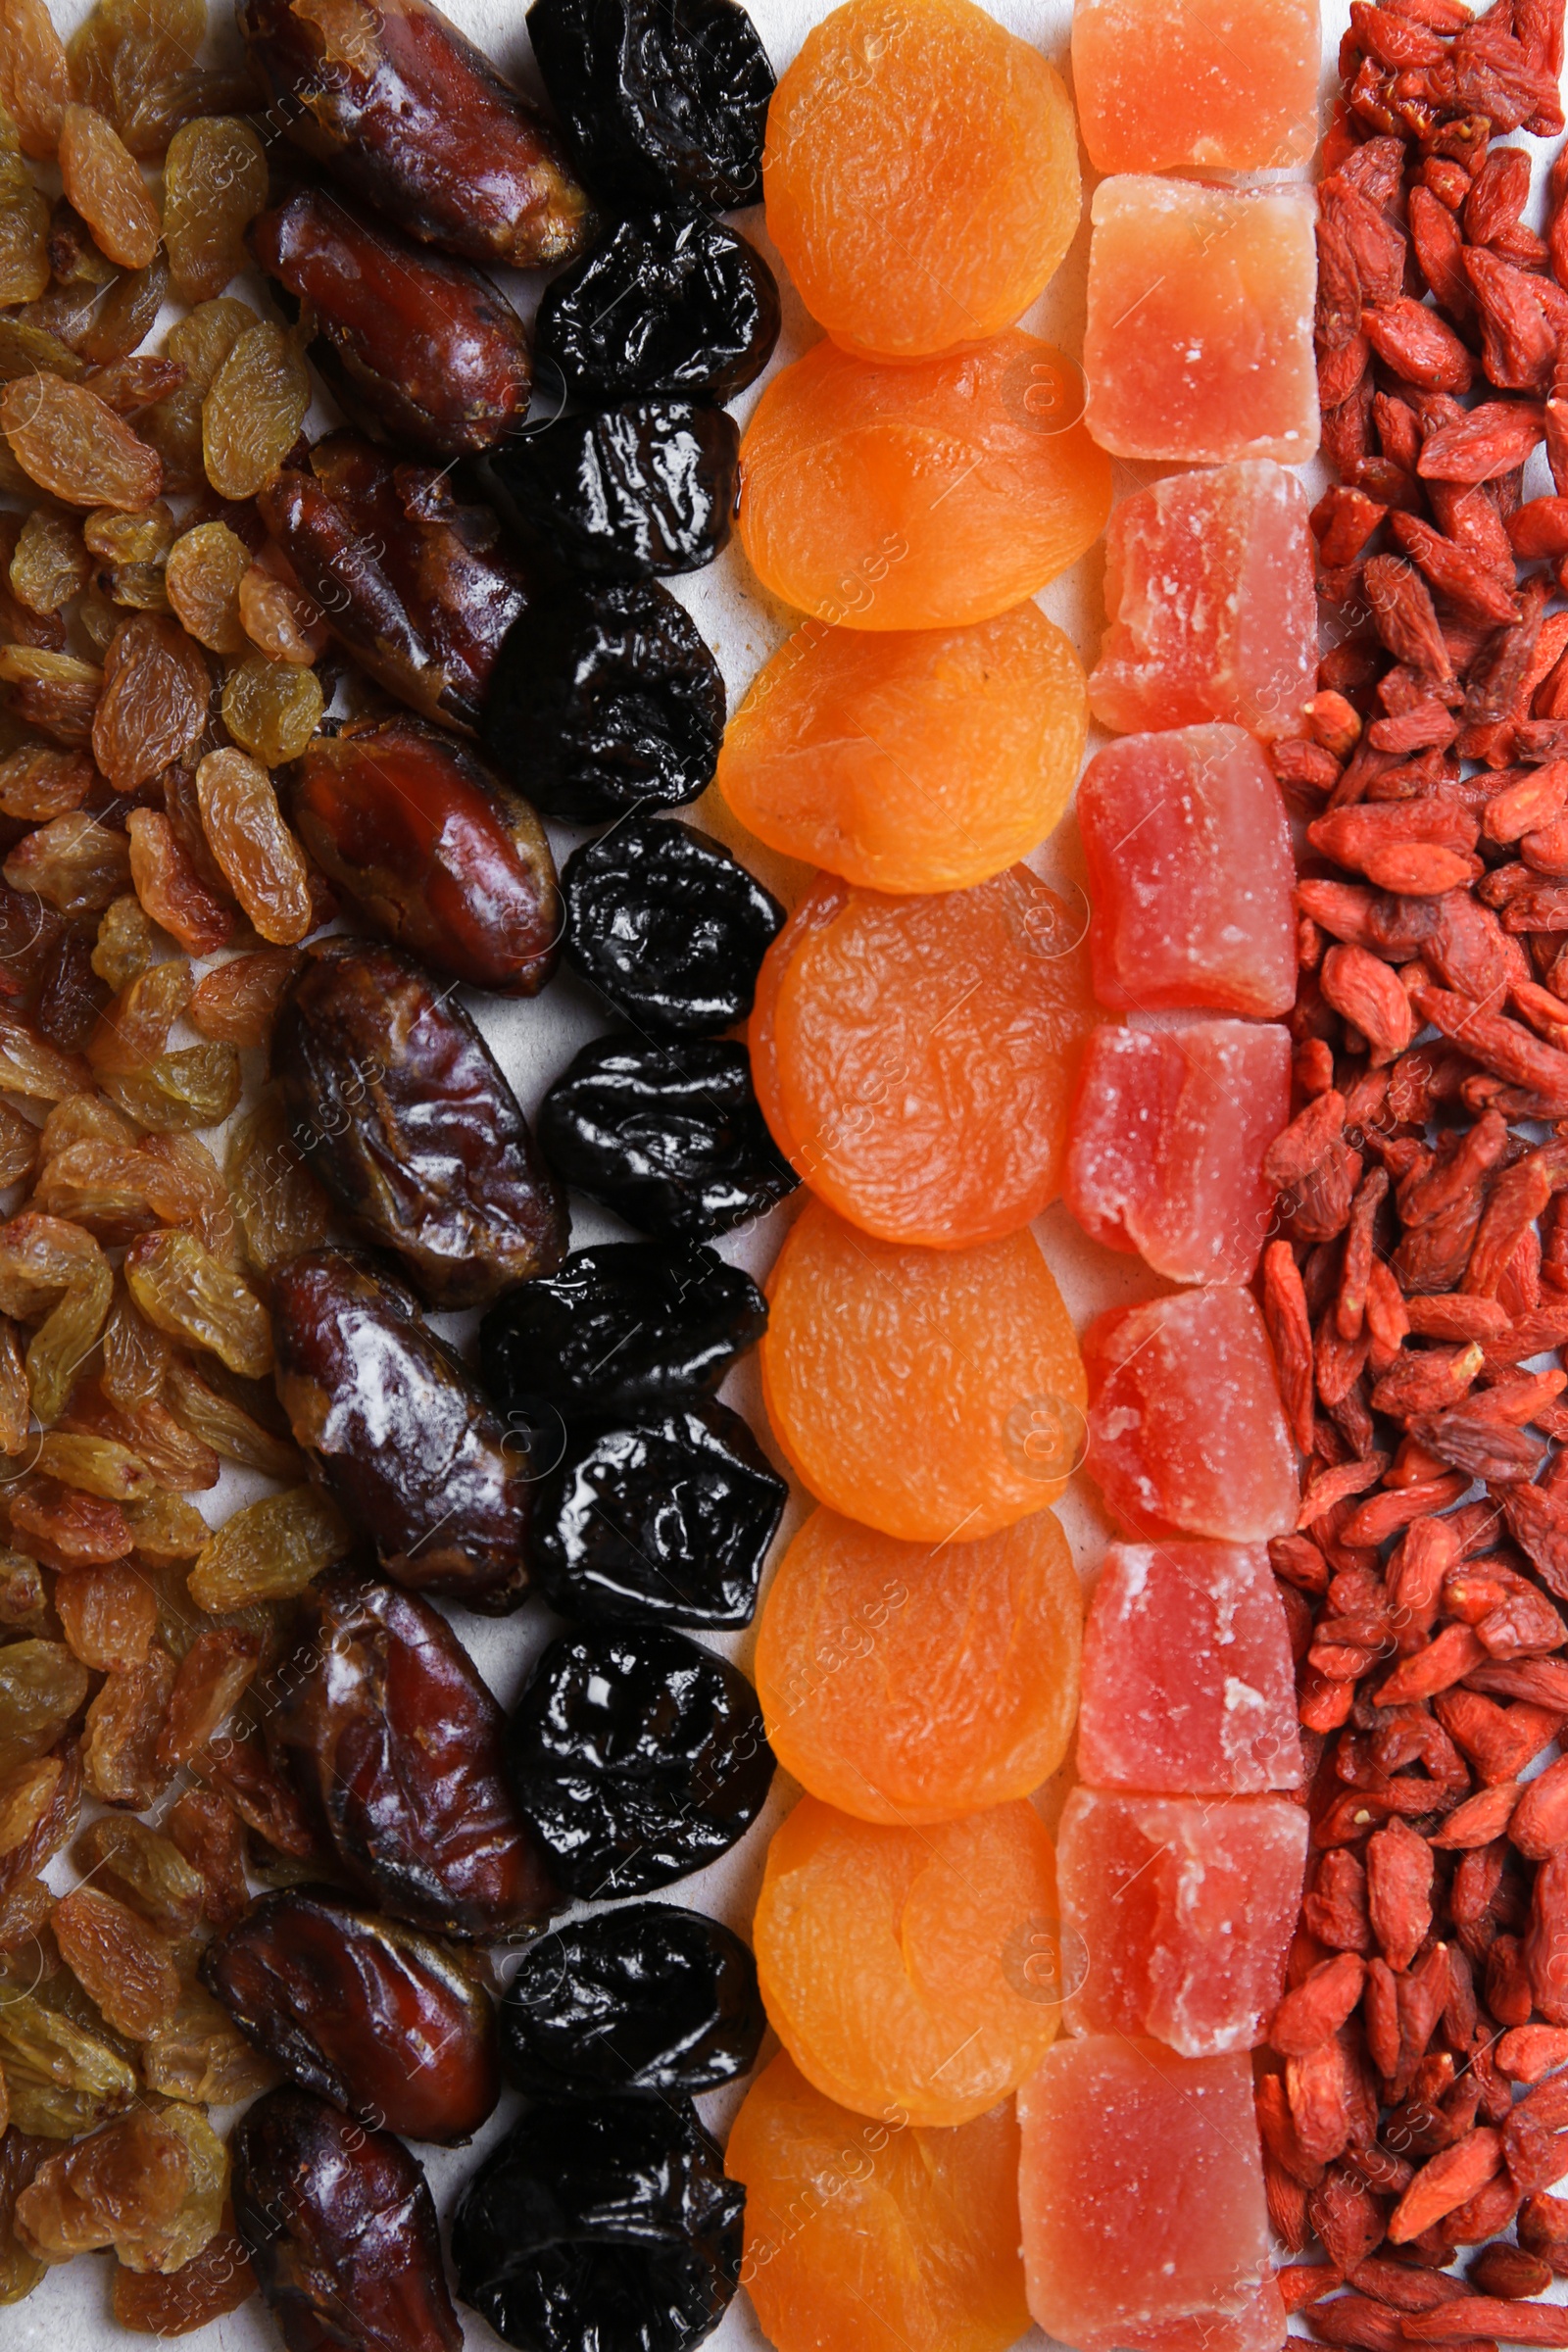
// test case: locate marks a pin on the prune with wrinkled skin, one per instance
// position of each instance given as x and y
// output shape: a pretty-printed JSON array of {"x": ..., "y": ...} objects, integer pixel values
[
  {"x": 637, "y": 1757},
  {"x": 416, "y": 586},
  {"x": 604, "y": 2227},
  {"x": 666, "y": 1521},
  {"x": 668, "y": 925},
  {"x": 623, "y": 1328},
  {"x": 409, "y": 115},
  {"x": 659, "y": 100},
  {"x": 373, "y": 2016},
  {"x": 394, "y": 1747},
  {"x": 671, "y": 1137},
  {"x": 341, "y": 2229},
  {"x": 634, "y": 492},
  {"x": 403, "y": 1114},
  {"x": 605, "y": 699},
  {"x": 673, "y": 301},
  {"x": 396, "y": 1431},
  {"x": 438, "y": 853},
  {"x": 426, "y": 344},
  {"x": 645, "y": 2000}
]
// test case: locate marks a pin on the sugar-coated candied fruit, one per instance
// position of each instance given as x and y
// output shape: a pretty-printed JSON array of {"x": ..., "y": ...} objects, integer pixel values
[
  {"x": 922, "y": 495},
  {"x": 1166, "y": 83},
  {"x": 1198, "y": 342},
  {"x": 920, "y": 174}
]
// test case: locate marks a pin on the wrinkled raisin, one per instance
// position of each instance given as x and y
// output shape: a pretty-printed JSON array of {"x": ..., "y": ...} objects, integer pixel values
[
  {"x": 38, "y": 785},
  {"x": 72, "y": 445},
  {"x": 270, "y": 1551},
  {"x": 55, "y": 693},
  {"x": 34, "y": 75},
  {"x": 102, "y": 181},
  {"x": 185, "y": 1291},
  {"x": 118, "y": 1960},
  {"x": 119, "y": 1757},
  {"x": 154, "y": 703},
  {"x": 238, "y": 1001},
  {"x": 250, "y": 419},
  {"x": 109, "y": 1615},
  {"x": 168, "y": 888},
  {"x": 75, "y": 863},
  {"x": 261, "y": 861},
  {"x": 214, "y": 2282},
  {"x": 50, "y": 566},
  {"x": 214, "y": 183},
  {"x": 203, "y": 575},
  {"x": 280, "y": 1207},
  {"x": 272, "y": 707}
]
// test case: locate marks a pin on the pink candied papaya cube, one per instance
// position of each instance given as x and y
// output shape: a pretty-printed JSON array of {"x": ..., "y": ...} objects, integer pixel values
[
  {"x": 1226, "y": 1722},
  {"x": 1141, "y": 2193},
  {"x": 1212, "y": 603},
  {"x": 1166, "y": 1139},
  {"x": 1198, "y": 342},
  {"x": 1176, "y": 1914},
  {"x": 1190, "y": 875},
  {"x": 1226, "y": 85},
  {"x": 1187, "y": 1434}
]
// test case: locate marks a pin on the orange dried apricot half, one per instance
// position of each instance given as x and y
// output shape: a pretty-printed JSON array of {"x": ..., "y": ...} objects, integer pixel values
[
  {"x": 911, "y": 759},
  {"x": 935, "y": 1394},
  {"x": 897, "y": 1964},
  {"x": 907, "y": 1684}
]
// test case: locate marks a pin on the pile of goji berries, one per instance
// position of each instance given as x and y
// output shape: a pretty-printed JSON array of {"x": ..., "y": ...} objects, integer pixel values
[{"x": 1424, "y": 1194}]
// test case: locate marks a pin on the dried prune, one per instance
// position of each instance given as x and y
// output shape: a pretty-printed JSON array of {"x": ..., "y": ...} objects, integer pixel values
[
  {"x": 414, "y": 584},
  {"x": 373, "y": 2016},
  {"x": 667, "y": 1520},
  {"x": 607, "y": 2223},
  {"x": 398, "y": 1433},
  {"x": 393, "y": 1746},
  {"x": 630, "y": 493},
  {"x": 623, "y": 1328},
  {"x": 400, "y": 1110},
  {"x": 441, "y": 855},
  {"x": 647, "y": 1999},
  {"x": 668, "y": 925},
  {"x": 426, "y": 345},
  {"x": 670, "y": 1136},
  {"x": 605, "y": 699},
  {"x": 637, "y": 1757},
  {"x": 673, "y": 301},
  {"x": 659, "y": 100},
  {"x": 407, "y": 113},
  {"x": 341, "y": 2231}
]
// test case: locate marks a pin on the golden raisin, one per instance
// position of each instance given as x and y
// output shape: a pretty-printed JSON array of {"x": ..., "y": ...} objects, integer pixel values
[
  {"x": 260, "y": 860},
  {"x": 187, "y": 1291},
  {"x": 109, "y": 1615},
  {"x": 34, "y": 75},
  {"x": 23, "y": 212},
  {"x": 102, "y": 181},
  {"x": 280, "y": 1207},
  {"x": 275, "y": 618},
  {"x": 203, "y": 576},
  {"x": 168, "y": 887},
  {"x": 238, "y": 1001},
  {"x": 118, "y": 1960},
  {"x": 127, "y": 939},
  {"x": 119, "y": 1757},
  {"x": 272, "y": 707},
  {"x": 214, "y": 183},
  {"x": 39, "y": 785},
  {"x": 154, "y": 703},
  {"x": 250, "y": 419},
  {"x": 75, "y": 863},
  {"x": 269, "y": 1551},
  {"x": 72, "y": 445}
]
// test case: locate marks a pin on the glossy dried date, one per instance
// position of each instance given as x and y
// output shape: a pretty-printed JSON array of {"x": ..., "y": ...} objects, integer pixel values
[
  {"x": 673, "y": 301},
  {"x": 605, "y": 699},
  {"x": 401, "y": 1112},
  {"x": 441, "y": 855},
  {"x": 427, "y": 345},
  {"x": 647, "y": 1999},
  {"x": 608, "y": 2225},
  {"x": 414, "y": 585},
  {"x": 373, "y": 2016},
  {"x": 637, "y": 1757},
  {"x": 631, "y": 493},
  {"x": 667, "y": 1521},
  {"x": 396, "y": 1429},
  {"x": 341, "y": 2229},
  {"x": 671, "y": 1137},
  {"x": 668, "y": 925},
  {"x": 624, "y": 1327},
  {"x": 407, "y": 113},
  {"x": 393, "y": 1746}
]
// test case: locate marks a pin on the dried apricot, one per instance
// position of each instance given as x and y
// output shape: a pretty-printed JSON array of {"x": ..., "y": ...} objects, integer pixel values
[
  {"x": 906, "y": 1684},
  {"x": 101, "y": 179},
  {"x": 214, "y": 183},
  {"x": 920, "y": 174},
  {"x": 260, "y": 860},
  {"x": 937, "y": 1394},
  {"x": 917, "y": 1057},
  {"x": 926, "y": 760},
  {"x": 72, "y": 445},
  {"x": 250, "y": 419},
  {"x": 894, "y": 1963},
  {"x": 922, "y": 496}
]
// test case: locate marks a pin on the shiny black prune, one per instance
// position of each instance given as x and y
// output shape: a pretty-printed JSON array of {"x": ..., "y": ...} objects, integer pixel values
[
  {"x": 622, "y": 1328},
  {"x": 341, "y": 2227},
  {"x": 648, "y": 1998},
  {"x": 637, "y": 1757},
  {"x": 669, "y": 926},
  {"x": 634, "y": 492},
  {"x": 659, "y": 98},
  {"x": 670, "y": 1136},
  {"x": 667, "y": 1520},
  {"x": 604, "y": 2227},
  {"x": 605, "y": 699},
  {"x": 671, "y": 302}
]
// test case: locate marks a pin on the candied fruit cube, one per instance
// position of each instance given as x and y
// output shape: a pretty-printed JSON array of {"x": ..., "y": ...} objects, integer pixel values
[
  {"x": 1185, "y": 1431},
  {"x": 1167, "y": 1140},
  {"x": 1221, "y": 84},
  {"x": 1212, "y": 603},
  {"x": 1141, "y": 2192},
  {"x": 1190, "y": 874},
  {"x": 1177, "y": 1912},
  {"x": 1198, "y": 342}
]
